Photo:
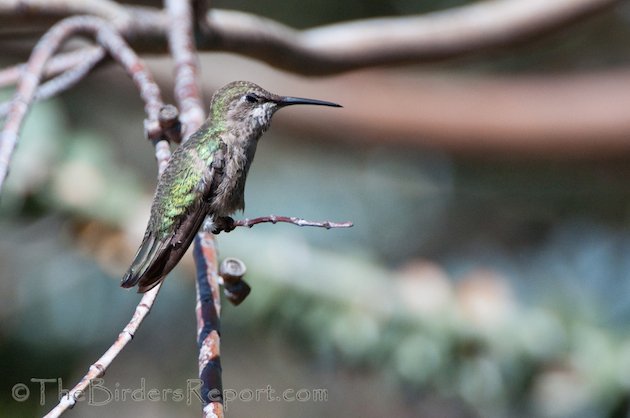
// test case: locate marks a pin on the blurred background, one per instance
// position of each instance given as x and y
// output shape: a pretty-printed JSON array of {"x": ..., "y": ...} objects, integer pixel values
[{"x": 487, "y": 274}]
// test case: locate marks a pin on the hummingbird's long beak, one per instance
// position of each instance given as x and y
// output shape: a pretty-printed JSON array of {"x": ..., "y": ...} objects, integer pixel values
[{"x": 287, "y": 101}]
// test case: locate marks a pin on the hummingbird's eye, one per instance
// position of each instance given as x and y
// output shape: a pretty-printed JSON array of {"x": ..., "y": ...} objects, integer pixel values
[{"x": 251, "y": 98}]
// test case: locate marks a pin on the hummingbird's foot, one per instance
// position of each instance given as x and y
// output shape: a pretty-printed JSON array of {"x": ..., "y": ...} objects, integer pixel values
[{"x": 222, "y": 224}]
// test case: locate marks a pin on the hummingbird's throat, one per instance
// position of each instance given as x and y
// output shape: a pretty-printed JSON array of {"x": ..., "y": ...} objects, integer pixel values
[{"x": 261, "y": 115}]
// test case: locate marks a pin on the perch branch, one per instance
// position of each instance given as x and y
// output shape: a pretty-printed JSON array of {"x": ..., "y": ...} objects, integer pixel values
[
  {"x": 227, "y": 224},
  {"x": 292, "y": 220},
  {"x": 188, "y": 96}
]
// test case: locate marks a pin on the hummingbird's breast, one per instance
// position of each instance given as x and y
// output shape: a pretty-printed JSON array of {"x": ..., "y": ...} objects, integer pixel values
[{"x": 230, "y": 192}]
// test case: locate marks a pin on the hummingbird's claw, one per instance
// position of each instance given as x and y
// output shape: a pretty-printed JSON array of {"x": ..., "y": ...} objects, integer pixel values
[{"x": 222, "y": 224}]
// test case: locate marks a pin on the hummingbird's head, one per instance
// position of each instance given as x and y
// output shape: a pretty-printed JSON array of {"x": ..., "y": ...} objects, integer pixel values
[{"x": 249, "y": 106}]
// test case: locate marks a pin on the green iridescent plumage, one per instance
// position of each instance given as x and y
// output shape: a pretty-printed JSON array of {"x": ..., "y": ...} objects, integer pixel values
[
  {"x": 178, "y": 187},
  {"x": 205, "y": 177}
]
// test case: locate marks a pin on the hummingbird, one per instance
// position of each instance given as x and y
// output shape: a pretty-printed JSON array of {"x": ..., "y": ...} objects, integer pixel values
[{"x": 205, "y": 177}]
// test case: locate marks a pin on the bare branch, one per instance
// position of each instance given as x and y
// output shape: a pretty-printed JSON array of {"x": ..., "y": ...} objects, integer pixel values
[
  {"x": 362, "y": 43},
  {"x": 170, "y": 127},
  {"x": 107, "y": 37},
  {"x": 182, "y": 47},
  {"x": 371, "y": 42},
  {"x": 170, "y": 123},
  {"x": 97, "y": 369}
]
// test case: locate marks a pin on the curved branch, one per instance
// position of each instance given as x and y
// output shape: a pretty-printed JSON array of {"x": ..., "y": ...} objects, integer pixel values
[
  {"x": 385, "y": 41},
  {"x": 107, "y": 37},
  {"x": 356, "y": 44}
]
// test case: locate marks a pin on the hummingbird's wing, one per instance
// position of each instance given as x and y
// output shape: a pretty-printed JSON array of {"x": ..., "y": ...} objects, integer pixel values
[
  {"x": 179, "y": 209},
  {"x": 158, "y": 255}
]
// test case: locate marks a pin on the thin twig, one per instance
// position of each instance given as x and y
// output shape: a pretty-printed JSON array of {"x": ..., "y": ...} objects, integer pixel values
[
  {"x": 292, "y": 220},
  {"x": 97, "y": 369}
]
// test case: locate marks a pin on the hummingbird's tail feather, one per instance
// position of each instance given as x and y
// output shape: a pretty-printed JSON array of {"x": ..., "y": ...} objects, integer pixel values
[
  {"x": 158, "y": 256},
  {"x": 146, "y": 267}
]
